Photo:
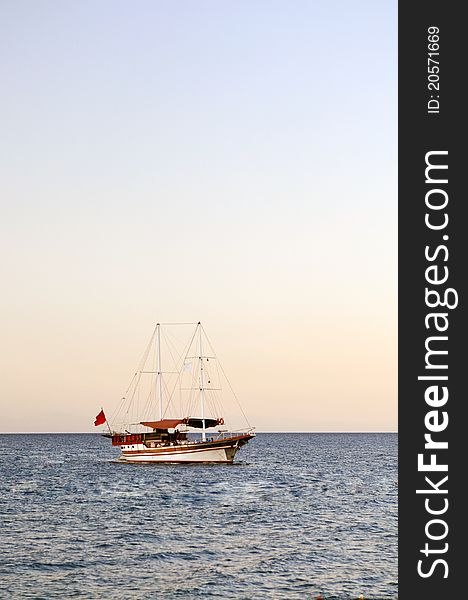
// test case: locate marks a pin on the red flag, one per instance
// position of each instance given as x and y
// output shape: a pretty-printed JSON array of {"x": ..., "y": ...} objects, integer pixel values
[{"x": 100, "y": 419}]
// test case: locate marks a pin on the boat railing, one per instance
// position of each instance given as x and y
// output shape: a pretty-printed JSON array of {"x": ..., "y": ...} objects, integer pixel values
[{"x": 221, "y": 435}]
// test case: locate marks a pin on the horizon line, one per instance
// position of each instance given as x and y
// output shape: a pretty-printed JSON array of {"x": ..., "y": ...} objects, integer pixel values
[{"x": 98, "y": 433}]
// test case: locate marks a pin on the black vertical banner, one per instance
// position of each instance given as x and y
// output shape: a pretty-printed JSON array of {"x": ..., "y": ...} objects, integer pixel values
[{"x": 433, "y": 362}]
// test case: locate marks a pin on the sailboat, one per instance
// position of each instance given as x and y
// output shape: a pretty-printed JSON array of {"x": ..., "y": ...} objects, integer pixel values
[{"x": 199, "y": 433}]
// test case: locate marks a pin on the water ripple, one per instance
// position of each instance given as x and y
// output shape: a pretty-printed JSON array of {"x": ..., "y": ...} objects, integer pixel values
[{"x": 299, "y": 514}]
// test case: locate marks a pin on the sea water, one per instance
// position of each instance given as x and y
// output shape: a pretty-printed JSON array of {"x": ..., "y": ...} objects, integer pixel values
[{"x": 297, "y": 515}]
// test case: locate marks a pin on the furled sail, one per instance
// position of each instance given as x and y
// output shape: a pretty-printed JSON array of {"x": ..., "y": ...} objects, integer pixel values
[
  {"x": 190, "y": 421},
  {"x": 198, "y": 423}
]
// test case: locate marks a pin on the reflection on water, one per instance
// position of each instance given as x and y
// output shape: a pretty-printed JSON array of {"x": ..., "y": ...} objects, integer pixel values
[{"x": 299, "y": 514}]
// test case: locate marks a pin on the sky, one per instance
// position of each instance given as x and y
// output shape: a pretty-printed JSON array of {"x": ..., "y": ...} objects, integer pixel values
[{"x": 226, "y": 162}]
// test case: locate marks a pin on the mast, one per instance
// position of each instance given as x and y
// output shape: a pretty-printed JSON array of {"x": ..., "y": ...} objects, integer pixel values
[
  {"x": 158, "y": 330},
  {"x": 202, "y": 385}
]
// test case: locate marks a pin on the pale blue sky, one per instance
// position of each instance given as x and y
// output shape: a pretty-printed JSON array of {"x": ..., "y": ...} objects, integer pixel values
[{"x": 233, "y": 162}]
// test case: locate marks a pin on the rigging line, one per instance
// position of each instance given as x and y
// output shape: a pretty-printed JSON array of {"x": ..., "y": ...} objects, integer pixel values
[
  {"x": 218, "y": 404},
  {"x": 168, "y": 346},
  {"x": 117, "y": 414},
  {"x": 171, "y": 346},
  {"x": 123, "y": 399},
  {"x": 120, "y": 406},
  {"x": 174, "y": 341},
  {"x": 210, "y": 402},
  {"x": 168, "y": 343},
  {"x": 151, "y": 404},
  {"x": 218, "y": 378},
  {"x": 135, "y": 412},
  {"x": 194, "y": 383},
  {"x": 178, "y": 323},
  {"x": 147, "y": 407},
  {"x": 211, "y": 391},
  {"x": 227, "y": 379},
  {"x": 191, "y": 395},
  {"x": 168, "y": 403},
  {"x": 188, "y": 346},
  {"x": 133, "y": 379},
  {"x": 135, "y": 388},
  {"x": 184, "y": 404},
  {"x": 215, "y": 404},
  {"x": 147, "y": 351},
  {"x": 138, "y": 372}
]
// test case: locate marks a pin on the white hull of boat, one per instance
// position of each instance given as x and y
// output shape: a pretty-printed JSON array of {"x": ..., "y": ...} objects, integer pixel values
[{"x": 190, "y": 454}]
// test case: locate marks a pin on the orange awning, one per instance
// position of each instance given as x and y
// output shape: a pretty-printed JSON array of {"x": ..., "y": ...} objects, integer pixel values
[{"x": 164, "y": 424}]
